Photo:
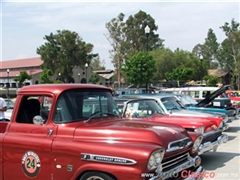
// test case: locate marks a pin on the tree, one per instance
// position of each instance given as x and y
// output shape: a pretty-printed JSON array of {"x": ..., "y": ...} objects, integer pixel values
[
  {"x": 64, "y": 50},
  {"x": 211, "y": 47},
  {"x": 167, "y": 60},
  {"x": 94, "y": 78},
  {"x": 22, "y": 77},
  {"x": 211, "y": 80},
  {"x": 232, "y": 46},
  {"x": 139, "y": 69},
  {"x": 116, "y": 38},
  {"x": 180, "y": 73},
  {"x": 45, "y": 76},
  {"x": 97, "y": 64},
  {"x": 128, "y": 38},
  {"x": 164, "y": 62},
  {"x": 135, "y": 33}
]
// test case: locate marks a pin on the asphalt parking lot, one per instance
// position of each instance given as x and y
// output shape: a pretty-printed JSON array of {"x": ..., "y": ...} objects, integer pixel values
[{"x": 225, "y": 163}]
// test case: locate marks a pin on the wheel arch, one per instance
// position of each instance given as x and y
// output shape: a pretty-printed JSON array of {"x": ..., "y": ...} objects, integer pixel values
[{"x": 97, "y": 171}]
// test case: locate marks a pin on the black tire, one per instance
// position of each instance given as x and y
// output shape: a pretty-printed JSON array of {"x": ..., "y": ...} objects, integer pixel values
[{"x": 94, "y": 175}]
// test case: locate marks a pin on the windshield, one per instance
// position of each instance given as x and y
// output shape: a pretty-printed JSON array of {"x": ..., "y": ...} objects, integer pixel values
[
  {"x": 142, "y": 108},
  {"x": 187, "y": 100},
  {"x": 235, "y": 94},
  {"x": 171, "y": 103},
  {"x": 84, "y": 104}
]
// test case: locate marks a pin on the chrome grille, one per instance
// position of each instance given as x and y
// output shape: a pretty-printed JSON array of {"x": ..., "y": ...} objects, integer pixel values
[
  {"x": 179, "y": 144},
  {"x": 175, "y": 161}
]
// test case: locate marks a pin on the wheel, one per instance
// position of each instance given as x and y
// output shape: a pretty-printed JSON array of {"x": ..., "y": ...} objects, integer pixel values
[{"x": 94, "y": 175}]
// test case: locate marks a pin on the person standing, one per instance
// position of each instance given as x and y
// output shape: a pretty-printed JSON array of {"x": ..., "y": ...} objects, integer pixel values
[{"x": 3, "y": 108}]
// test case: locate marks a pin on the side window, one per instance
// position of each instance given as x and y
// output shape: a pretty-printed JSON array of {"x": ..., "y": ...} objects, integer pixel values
[
  {"x": 206, "y": 93},
  {"x": 32, "y": 106},
  {"x": 46, "y": 104}
]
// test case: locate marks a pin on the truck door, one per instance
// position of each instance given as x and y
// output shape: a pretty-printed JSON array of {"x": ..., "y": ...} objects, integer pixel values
[{"x": 27, "y": 147}]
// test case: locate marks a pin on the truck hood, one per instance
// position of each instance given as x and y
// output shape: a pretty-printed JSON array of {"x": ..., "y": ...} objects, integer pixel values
[
  {"x": 213, "y": 95},
  {"x": 129, "y": 131}
]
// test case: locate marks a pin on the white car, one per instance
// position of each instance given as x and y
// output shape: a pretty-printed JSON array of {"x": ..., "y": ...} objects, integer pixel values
[{"x": 10, "y": 105}]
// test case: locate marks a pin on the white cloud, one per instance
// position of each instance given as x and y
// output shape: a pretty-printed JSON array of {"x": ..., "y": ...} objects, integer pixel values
[{"x": 181, "y": 24}]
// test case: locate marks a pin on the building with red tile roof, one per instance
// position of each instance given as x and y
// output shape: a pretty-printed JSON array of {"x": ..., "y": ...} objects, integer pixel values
[{"x": 11, "y": 69}]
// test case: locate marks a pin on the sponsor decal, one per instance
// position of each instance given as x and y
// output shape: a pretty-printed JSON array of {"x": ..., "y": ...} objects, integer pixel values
[
  {"x": 107, "y": 159},
  {"x": 31, "y": 164}
]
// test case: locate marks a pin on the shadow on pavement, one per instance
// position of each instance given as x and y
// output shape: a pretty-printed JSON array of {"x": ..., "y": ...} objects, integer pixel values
[
  {"x": 211, "y": 161},
  {"x": 230, "y": 138},
  {"x": 232, "y": 129}
]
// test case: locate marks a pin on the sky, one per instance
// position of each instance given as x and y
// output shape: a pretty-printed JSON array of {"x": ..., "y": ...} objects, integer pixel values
[{"x": 182, "y": 24}]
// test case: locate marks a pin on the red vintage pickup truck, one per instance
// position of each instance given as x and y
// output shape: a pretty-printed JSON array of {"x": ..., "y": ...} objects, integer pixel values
[{"x": 54, "y": 133}]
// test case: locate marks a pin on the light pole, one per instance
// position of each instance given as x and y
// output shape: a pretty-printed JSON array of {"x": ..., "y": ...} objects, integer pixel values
[
  {"x": 201, "y": 59},
  {"x": 17, "y": 82},
  {"x": 8, "y": 83},
  {"x": 79, "y": 77},
  {"x": 147, "y": 31},
  {"x": 86, "y": 66},
  {"x": 59, "y": 74}
]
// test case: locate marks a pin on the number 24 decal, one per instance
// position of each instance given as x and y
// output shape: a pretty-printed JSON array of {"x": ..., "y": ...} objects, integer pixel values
[{"x": 30, "y": 163}]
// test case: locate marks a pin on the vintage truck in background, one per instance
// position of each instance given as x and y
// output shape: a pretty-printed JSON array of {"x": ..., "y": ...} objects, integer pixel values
[{"x": 54, "y": 133}]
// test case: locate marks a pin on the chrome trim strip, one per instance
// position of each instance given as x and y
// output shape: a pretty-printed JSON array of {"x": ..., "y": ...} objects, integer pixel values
[{"x": 107, "y": 159}]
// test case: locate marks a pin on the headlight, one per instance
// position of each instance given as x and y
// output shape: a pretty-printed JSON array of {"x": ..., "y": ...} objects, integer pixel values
[
  {"x": 220, "y": 125},
  {"x": 197, "y": 143},
  {"x": 155, "y": 159},
  {"x": 200, "y": 130}
]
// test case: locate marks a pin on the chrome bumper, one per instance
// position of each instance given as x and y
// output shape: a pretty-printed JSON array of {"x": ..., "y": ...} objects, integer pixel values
[
  {"x": 231, "y": 118},
  {"x": 208, "y": 146},
  {"x": 225, "y": 126},
  {"x": 192, "y": 162}
]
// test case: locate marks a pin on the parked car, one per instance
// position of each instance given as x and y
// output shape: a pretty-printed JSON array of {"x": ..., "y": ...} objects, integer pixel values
[
  {"x": 10, "y": 106},
  {"x": 209, "y": 97},
  {"x": 122, "y": 91},
  {"x": 150, "y": 110},
  {"x": 173, "y": 107},
  {"x": 190, "y": 104}
]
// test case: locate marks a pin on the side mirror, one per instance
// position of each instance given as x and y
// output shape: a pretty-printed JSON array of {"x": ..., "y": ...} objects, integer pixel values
[{"x": 38, "y": 120}]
